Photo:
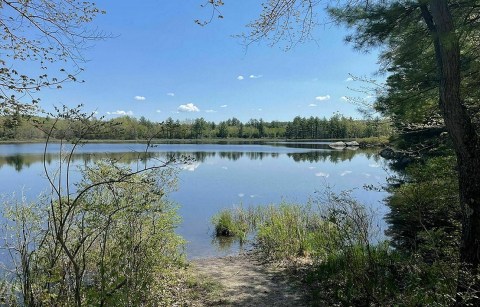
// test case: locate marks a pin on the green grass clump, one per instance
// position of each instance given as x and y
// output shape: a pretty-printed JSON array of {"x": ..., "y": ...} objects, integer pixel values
[
  {"x": 281, "y": 232},
  {"x": 290, "y": 230},
  {"x": 232, "y": 223}
]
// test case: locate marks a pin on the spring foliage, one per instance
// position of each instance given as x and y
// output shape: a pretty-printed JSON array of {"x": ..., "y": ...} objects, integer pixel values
[{"x": 107, "y": 238}]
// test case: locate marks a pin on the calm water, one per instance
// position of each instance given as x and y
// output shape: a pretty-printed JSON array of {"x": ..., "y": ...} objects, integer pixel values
[{"x": 221, "y": 176}]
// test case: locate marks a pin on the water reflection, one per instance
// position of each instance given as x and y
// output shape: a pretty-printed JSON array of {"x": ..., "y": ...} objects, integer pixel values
[
  {"x": 219, "y": 176},
  {"x": 17, "y": 161},
  {"x": 191, "y": 167},
  {"x": 305, "y": 145},
  {"x": 224, "y": 244},
  {"x": 334, "y": 156},
  {"x": 20, "y": 161}
]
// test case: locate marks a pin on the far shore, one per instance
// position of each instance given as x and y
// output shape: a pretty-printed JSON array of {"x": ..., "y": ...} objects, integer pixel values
[{"x": 370, "y": 141}]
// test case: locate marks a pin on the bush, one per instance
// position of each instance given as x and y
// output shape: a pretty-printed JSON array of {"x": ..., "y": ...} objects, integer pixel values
[
  {"x": 289, "y": 231},
  {"x": 110, "y": 249},
  {"x": 425, "y": 210},
  {"x": 104, "y": 240}
]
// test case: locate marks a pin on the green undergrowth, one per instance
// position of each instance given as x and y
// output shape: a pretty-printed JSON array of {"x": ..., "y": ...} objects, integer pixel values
[
  {"x": 374, "y": 141},
  {"x": 287, "y": 231},
  {"x": 349, "y": 262},
  {"x": 236, "y": 222}
]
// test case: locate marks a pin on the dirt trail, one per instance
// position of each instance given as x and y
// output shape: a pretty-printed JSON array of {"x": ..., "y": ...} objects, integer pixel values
[{"x": 246, "y": 281}]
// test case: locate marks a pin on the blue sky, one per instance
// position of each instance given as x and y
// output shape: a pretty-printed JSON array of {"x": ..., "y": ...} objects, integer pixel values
[{"x": 161, "y": 64}]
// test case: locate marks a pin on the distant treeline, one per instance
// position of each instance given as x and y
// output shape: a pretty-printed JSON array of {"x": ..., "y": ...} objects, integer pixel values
[{"x": 130, "y": 128}]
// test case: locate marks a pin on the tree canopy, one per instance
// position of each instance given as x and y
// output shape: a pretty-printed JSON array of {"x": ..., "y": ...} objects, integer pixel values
[{"x": 41, "y": 47}]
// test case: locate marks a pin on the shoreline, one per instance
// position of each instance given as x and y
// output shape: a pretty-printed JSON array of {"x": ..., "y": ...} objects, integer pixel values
[{"x": 368, "y": 142}]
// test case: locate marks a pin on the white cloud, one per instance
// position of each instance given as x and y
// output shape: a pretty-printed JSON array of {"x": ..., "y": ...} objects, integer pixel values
[
  {"x": 224, "y": 167},
  {"x": 345, "y": 173},
  {"x": 210, "y": 111},
  {"x": 344, "y": 98},
  {"x": 189, "y": 107},
  {"x": 322, "y": 98},
  {"x": 260, "y": 110},
  {"x": 240, "y": 77},
  {"x": 349, "y": 79},
  {"x": 374, "y": 165},
  {"x": 321, "y": 174},
  {"x": 312, "y": 105},
  {"x": 139, "y": 98},
  {"x": 224, "y": 106},
  {"x": 171, "y": 94},
  {"x": 120, "y": 112},
  {"x": 312, "y": 167},
  {"x": 241, "y": 194},
  {"x": 255, "y": 76},
  {"x": 158, "y": 111}
]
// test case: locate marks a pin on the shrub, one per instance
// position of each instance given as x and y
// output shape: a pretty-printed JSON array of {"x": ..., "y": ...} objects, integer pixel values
[
  {"x": 116, "y": 240},
  {"x": 102, "y": 240}
]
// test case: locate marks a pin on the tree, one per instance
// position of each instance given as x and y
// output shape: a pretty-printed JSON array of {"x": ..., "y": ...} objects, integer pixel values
[
  {"x": 45, "y": 33},
  {"x": 11, "y": 123},
  {"x": 169, "y": 126},
  {"x": 261, "y": 128},
  {"x": 240, "y": 130},
  {"x": 410, "y": 32},
  {"x": 447, "y": 31},
  {"x": 198, "y": 128},
  {"x": 222, "y": 130}
]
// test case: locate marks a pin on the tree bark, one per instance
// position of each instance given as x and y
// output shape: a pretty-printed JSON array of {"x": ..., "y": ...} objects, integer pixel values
[{"x": 464, "y": 137}]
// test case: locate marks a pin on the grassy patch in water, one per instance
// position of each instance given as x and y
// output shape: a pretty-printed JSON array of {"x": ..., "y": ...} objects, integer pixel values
[{"x": 281, "y": 232}]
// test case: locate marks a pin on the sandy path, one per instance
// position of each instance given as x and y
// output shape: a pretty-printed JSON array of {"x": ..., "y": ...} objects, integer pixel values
[{"x": 245, "y": 281}]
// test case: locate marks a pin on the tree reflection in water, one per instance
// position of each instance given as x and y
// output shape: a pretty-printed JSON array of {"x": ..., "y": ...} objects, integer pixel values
[{"x": 20, "y": 161}]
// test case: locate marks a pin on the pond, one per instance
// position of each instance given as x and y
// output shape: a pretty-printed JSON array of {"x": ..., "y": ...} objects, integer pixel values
[{"x": 221, "y": 176}]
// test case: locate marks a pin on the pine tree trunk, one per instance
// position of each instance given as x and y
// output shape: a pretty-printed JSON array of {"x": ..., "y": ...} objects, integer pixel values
[{"x": 465, "y": 139}]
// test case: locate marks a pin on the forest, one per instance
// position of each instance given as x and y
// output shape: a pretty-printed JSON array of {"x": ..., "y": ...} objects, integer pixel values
[{"x": 18, "y": 127}]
